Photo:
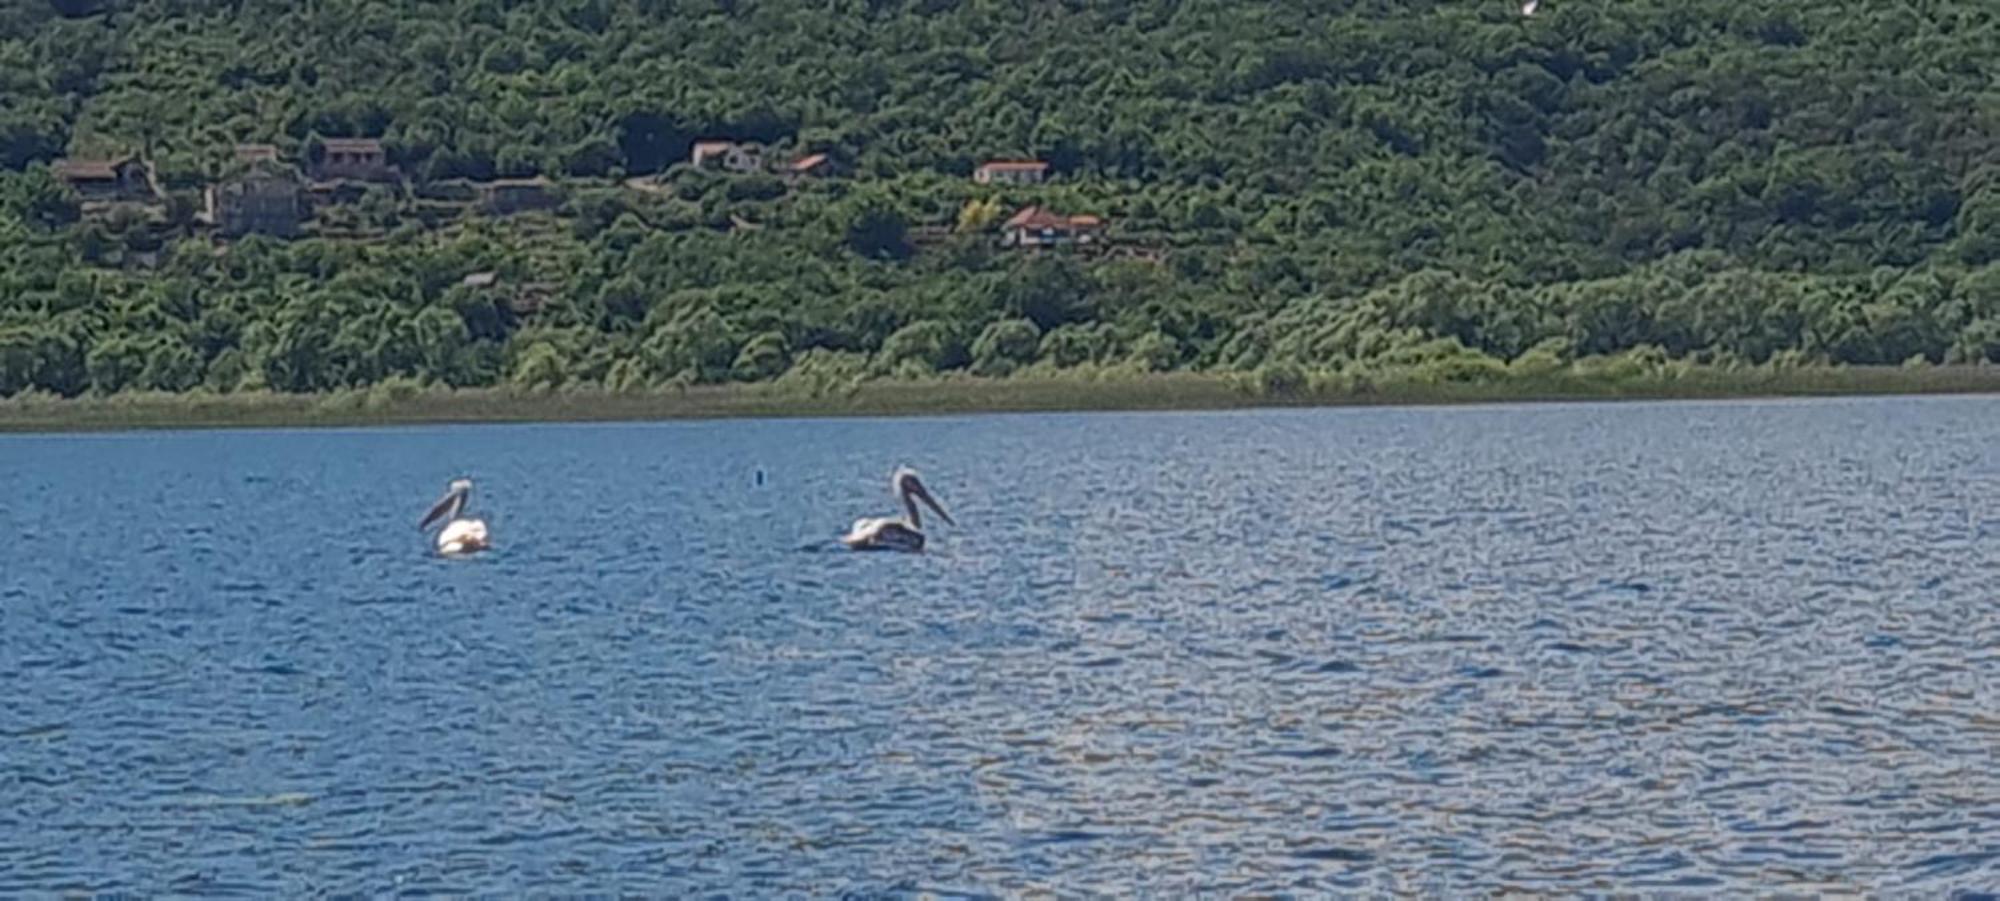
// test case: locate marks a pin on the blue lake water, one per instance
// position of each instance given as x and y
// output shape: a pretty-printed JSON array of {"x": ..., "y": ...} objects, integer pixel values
[{"x": 1446, "y": 651}]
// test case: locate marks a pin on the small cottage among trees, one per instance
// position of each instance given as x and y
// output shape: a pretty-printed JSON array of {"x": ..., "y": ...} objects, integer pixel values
[
  {"x": 1011, "y": 172},
  {"x": 729, "y": 156},
  {"x": 353, "y": 159},
  {"x": 267, "y": 199},
  {"x": 127, "y": 178},
  {"x": 1037, "y": 227}
]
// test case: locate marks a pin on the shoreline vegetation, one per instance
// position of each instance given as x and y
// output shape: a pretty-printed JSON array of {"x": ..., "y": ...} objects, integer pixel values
[
  {"x": 411, "y": 404},
  {"x": 609, "y": 209}
]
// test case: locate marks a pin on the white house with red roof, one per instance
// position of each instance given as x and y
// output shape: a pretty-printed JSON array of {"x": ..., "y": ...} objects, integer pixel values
[{"x": 1036, "y": 226}]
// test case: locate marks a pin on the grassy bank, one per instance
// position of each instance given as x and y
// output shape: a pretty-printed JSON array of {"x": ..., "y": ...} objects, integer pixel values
[{"x": 1179, "y": 391}]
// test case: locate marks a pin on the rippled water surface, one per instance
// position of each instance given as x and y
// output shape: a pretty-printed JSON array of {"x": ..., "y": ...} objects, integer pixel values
[{"x": 1713, "y": 646}]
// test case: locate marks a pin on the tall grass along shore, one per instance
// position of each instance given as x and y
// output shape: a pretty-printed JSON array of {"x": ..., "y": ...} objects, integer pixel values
[{"x": 405, "y": 403}]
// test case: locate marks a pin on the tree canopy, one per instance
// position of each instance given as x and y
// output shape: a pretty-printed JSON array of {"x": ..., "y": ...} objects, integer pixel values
[{"x": 1316, "y": 185}]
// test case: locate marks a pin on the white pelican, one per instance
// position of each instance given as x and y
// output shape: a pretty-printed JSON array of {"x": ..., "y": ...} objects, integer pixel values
[
  {"x": 898, "y": 533},
  {"x": 460, "y": 535}
]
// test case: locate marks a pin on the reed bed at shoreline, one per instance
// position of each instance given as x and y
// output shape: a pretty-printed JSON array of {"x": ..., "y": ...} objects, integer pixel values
[{"x": 407, "y": 404}]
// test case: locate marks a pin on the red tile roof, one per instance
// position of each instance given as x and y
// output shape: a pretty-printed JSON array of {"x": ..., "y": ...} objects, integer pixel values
[
  {"x": 1035, "y": 217},
  {"x": 1013, "y": 166}
]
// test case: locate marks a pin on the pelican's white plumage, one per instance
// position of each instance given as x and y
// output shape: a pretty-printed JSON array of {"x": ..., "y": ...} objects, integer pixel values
[
  {"x": 897, "y": 533},
  {"x": 461, "y": 534}
]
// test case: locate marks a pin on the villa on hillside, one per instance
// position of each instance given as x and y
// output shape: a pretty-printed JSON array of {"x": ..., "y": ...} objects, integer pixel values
[
  {"x": 253, "y": 154},
  {"x": 267, "y": 199},
  {"x": 728, "y": 155},
  {"x": 1037, "y": 227},
  {"x": 1011, "y": 172},
  {"x": 518, "y": 195},
  {"x": 353, "y": 159},
  {"x": 123, "y": 179}
]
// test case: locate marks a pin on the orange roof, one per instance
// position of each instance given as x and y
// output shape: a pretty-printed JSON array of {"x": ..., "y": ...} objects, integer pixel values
[
  {"x": 1013, "y": 166},
  {"x": 810, "y": 162},
  {"x": 1029, "y": 215},
  {"x": 86, "y": 170},
  {"x": 256, "y": 153},
  {"x": 1038, "y": 217}
]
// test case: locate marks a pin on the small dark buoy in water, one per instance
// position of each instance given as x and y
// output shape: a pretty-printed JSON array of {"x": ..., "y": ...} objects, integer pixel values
[{"x": 760, "y": 477}]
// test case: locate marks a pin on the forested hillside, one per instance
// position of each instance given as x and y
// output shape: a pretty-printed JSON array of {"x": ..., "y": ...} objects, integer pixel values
[{"x": 1321, "y": 185}]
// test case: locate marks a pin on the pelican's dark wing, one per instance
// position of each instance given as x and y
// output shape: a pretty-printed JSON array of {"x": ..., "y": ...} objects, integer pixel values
[{"x": 446, "y": 508}]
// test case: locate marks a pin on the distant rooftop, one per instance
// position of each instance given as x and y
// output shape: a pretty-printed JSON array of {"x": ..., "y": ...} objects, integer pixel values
[
  {"x": 1035, "y": 217},
  {"x": 86, "y": 170},
  {"x": 1014, "y": 165},
  {"x": 352, "y": 145}
]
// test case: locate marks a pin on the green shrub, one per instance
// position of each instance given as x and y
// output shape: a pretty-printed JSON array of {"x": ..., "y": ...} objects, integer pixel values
[
  {"x": 920, "y": 348},
  {"x": 1156, "y": 352},
  {"x": 1280, "y": 379},
  {"x": 1004, "y": 347},
  {"x": 1076, "y": 344},
  {"x": 1545, "y": 358},
  {"x": 538, "y": 368},
  {"x": 763, "y": 357}
]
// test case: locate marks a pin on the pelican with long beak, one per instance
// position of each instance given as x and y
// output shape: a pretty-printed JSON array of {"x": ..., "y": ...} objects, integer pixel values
[
  {"x": 461, "y": 534},
  {"x": 897, "y": 533}
]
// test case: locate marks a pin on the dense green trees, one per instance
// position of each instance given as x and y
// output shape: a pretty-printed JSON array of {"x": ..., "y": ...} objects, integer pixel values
[{"x": 1293, "y": 188}]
